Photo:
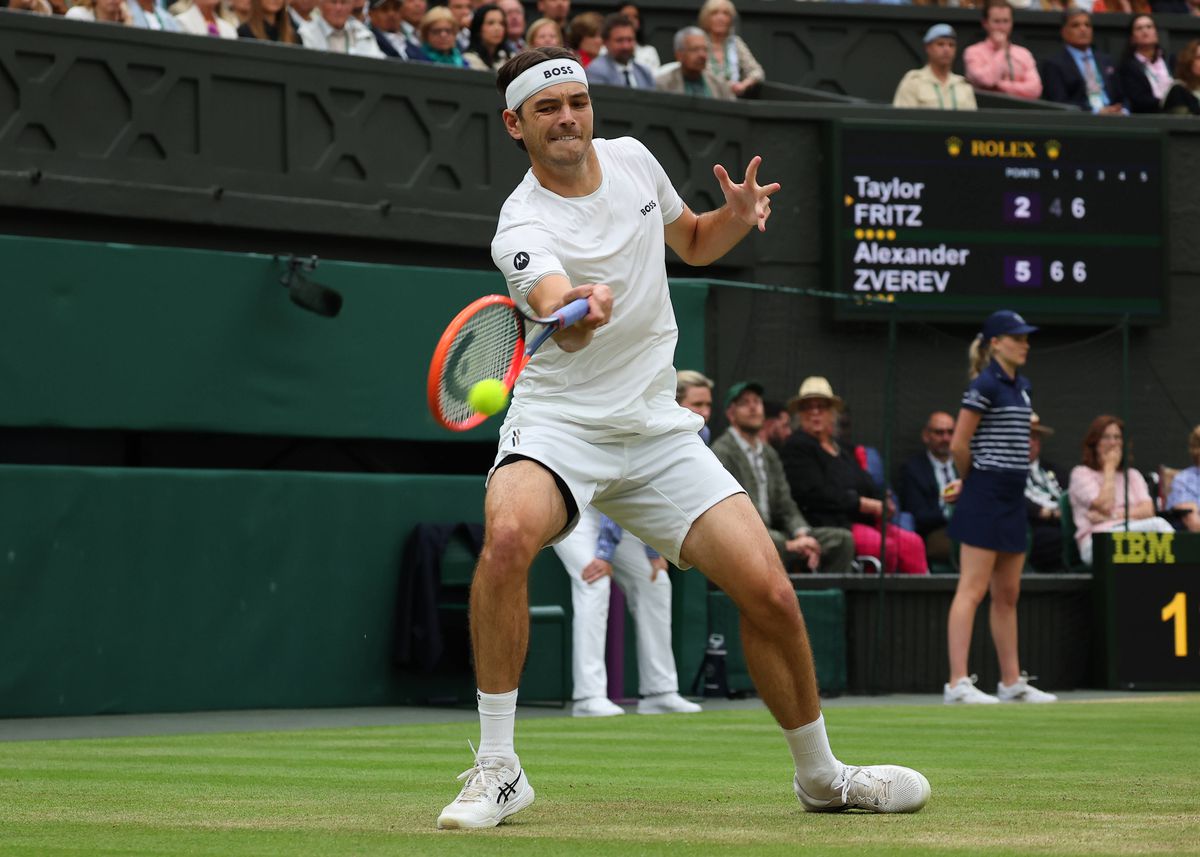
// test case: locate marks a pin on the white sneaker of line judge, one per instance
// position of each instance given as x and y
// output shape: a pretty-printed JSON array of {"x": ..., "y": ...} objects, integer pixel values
[
  {"x": 596, "y": 706},
  {"x": 1022, "y": 691},
  {"x": 667, "y": 703},
  {"x": 965, "y": 692}
]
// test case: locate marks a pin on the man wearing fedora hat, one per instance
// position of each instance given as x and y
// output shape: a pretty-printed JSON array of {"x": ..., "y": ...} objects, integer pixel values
[
  {"x": 1042, "y": 495},
  {"x": 756, "y": 466},
  {"x": 833, "y": 490}
]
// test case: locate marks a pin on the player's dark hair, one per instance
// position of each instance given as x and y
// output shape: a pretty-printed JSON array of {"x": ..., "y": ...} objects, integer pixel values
[{"x": 613, "y": 21}]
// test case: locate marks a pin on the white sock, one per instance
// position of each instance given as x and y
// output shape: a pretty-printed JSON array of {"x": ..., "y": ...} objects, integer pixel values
[
  {"x": 497, "y": 717},
  {"x": 816, "y": 766}
]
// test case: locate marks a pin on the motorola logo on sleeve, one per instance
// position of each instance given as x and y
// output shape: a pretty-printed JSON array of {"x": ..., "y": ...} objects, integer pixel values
[{"x": 521, "y": 261}]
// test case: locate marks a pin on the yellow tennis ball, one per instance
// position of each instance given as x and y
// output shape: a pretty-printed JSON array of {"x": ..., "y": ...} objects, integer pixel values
[{"x": 488, "y": 396}]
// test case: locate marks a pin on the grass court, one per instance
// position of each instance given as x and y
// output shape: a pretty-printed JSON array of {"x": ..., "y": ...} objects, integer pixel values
[{"x": 1073, "y": 778}]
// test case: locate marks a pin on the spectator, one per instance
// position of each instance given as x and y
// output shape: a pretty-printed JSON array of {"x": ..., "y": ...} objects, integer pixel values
[
  {"x": 1077, "y": 74},
  {"x": 463, "y": 11},
  {"x": 934, "y": 86},
  {"x": 438, "y": 46},
  {"x": 487, "y": 46},
  {"x": 995, "y": 63},
  {"x": 991, "y": 450},
  {"x": 239, "y": 11},
  {"x": 689, "y": 74},
  {"x": 757, "y": 467},
  {"x": 1099, "y": 486},
  {"x": 514, "y": 20},
  {"x": 384, "y": 22},
  {"x": 1042, "y": 494},
  {"x": 333, "y": 29},
  {"x": 300, "y": 12},
  {"x": 37, "y": 7},
  {"x": 105, "y": 11},
  {"x": 1184, "y": 96},
  {"x": 583, "y": 36},
  {"x": 1143, "y": 75},
  {"x": 617, "y": 66},
  {"x": 694, "y": 392},
  {"x": 645, "y": 54},
  {"x": 150, "y": 15},
  {"x": 729, "y": 59},
  {"x": 544, "y": 33},
  {"x": 777, "y": 425},
  {"x": 558, "y": 11},
  {"x": 929, "y": 484},
  {"x": 412, "y": 12},
  {"x": 595, "y": 554},
  {"x": 203, "y": 18},
  {"x": 1184, "y": 497},
  {"x": 833, "y": 491},
  {"x": 269, "y": 22},
  {"x": 1125, "y": 7}
]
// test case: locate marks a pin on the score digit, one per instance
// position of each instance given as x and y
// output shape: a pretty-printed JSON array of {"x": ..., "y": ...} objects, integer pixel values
[
  {"x": 1079, "y": 272},
  {"x": 1078, "y": 208}
]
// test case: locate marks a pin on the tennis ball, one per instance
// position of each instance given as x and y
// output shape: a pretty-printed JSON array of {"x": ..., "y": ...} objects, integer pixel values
[{"x": 487, "y": 396}]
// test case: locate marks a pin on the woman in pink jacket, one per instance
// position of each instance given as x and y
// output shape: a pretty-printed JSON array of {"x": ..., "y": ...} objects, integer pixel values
[{"x": 996, "y": 64}]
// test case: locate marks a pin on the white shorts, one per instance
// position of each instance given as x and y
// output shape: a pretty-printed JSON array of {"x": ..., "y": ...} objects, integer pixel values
[{"x": 655, "y": 487}]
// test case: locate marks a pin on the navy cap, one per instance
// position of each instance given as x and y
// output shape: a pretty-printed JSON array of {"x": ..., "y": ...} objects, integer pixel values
[
  {"x": 940, "y": 31},
  {"x": 1005, "y": 322},
  {"x": 741, "y": 387}
]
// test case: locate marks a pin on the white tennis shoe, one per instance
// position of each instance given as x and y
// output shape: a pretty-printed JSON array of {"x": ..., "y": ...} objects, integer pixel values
[
  {"x": 1022, "y": 691},
  {"x": 596, "y": 706},
  {"x": 494, "y": 790},
  {"x": 667, "y": 703},
  {"x": 964, "y": 692},
  {"x": 875, "y": 788}
]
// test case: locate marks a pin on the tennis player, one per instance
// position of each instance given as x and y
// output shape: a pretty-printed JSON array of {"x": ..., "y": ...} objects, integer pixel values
[{"x": 594, "y": 421}]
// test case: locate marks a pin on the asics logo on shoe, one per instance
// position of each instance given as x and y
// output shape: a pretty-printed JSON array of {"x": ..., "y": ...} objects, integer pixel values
[{"x": 507, "y": 790}]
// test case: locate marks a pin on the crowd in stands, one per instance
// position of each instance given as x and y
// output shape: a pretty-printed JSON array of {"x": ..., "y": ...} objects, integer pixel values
[
  {"x": 710, "y": 58},
  {"x": 822, "y": 495},
  {"x": 1143, "y": 80}
]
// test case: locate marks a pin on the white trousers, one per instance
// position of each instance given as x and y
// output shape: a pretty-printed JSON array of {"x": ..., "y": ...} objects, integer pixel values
[
  {"x": 1141, "y": 525},
  {"x": 650, "y": 604}
]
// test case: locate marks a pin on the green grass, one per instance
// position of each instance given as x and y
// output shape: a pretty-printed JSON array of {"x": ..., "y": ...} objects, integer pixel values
[{"x": 1099, "y": 778}]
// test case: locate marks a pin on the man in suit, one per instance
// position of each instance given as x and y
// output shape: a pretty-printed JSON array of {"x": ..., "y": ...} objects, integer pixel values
[
  {"x": 929, "y": 483},
  {"x": 755, "y": 464},
  {"x": 689, "y": 74},
  {"x": 617, "y": 68},
  {"x": 1079, "y": 75}
]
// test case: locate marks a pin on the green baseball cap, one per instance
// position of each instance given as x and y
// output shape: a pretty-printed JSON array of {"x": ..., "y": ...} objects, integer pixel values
[{"x": 741, "y": 387}]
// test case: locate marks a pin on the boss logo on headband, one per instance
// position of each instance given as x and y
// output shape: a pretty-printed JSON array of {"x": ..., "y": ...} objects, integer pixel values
[{"x": 555, "y": 72}]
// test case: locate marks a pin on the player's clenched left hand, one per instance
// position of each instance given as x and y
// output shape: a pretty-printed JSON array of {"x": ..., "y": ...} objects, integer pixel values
[
  {"x": 749, "y": 201},
  {"x": 600, "y": 300}
]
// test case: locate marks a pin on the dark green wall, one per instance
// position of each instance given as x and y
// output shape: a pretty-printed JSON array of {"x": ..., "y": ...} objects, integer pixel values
[{"x": 103, "y": 336}]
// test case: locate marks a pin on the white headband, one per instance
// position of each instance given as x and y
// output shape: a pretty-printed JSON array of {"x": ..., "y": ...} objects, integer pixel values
[{"x": 540, "y": 76}]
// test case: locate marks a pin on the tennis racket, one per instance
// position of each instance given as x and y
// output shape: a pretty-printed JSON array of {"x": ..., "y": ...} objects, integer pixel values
[{"x": 486, "y": 340}]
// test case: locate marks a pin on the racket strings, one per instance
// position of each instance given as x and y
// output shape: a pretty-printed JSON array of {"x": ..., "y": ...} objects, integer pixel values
[{"x": 483, "y": 348}]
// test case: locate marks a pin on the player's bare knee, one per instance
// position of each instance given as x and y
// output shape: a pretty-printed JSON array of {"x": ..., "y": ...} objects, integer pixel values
[
  {"x": 508, "y": 549},
  {"x": 774, "y": 607}
]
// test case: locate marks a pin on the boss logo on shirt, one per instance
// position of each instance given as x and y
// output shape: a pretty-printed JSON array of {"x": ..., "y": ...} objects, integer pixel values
[
  {"x": 558, "y": 71},
  {"x": 649, "y": 207},
  {"x": 521, "y": 261}
]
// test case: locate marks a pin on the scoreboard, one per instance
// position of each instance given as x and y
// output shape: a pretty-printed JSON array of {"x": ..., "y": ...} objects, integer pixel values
[
  {"x": 1147, "y": 591},
  {"x": 960, "y": 221}
]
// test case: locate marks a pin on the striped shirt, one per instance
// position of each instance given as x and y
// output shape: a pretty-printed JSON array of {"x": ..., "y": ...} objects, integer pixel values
[{"x": 1001, "y": 442}]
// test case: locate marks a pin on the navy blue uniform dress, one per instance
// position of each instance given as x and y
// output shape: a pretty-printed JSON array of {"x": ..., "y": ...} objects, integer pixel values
[{"x": 990, "y": 512}]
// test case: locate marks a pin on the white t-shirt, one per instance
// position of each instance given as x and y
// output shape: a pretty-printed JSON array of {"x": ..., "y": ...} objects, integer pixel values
[{"x": 623, "y": 383}]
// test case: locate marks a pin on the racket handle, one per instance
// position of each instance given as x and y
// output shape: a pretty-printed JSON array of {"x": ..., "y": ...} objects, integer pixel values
[{"x": 571, "y": 313}]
